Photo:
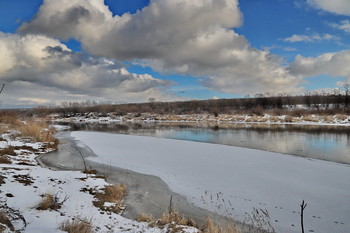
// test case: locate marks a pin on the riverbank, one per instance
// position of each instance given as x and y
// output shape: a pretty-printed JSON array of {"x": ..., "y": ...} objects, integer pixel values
[
  {"x": 35, "y": 199},
  {"x": 307, "y": 119}
]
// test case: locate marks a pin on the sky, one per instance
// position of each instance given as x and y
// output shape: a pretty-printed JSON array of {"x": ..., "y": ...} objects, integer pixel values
[{"x": 124, "y": 51}]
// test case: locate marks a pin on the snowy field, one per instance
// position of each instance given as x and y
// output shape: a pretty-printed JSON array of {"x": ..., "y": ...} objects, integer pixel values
[{"x": 232, "y": 180}]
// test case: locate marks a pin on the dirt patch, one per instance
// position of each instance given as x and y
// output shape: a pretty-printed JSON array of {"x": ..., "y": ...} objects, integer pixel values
[{"x": 26, "y": 180}]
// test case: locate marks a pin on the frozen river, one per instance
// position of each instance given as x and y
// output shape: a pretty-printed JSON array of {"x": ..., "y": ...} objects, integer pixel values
[
  {"x": 331, "y": 143},
  {"x": 232, "y": 180}
]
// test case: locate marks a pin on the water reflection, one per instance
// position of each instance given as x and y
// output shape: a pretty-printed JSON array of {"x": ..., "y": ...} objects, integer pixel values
[{"x": 330, "y": 143}]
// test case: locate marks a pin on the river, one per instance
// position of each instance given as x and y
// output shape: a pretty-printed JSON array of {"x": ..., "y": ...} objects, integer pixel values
[{"x": 331, "y": 143}]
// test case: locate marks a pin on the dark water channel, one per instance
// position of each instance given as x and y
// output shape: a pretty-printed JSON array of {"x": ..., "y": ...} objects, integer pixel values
[{"x": 331, "y": 143}]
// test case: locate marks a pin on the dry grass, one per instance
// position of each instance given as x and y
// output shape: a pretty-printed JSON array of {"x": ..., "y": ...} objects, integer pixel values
[
  {"x": 144, "y": 218},
  {"x": 76, "y": 225},
  {"x": 328, "y": 119},
  {"x": 5, "y": 160},
  {"x": 111, "y": 194},
  {"x": 3, "y": 128},
  {"x": 175, "y": 218},
  {"x": 5, "y": 222},
  {"x": 50, "y": 202},
  {"x": 8, "y": 151},
  {"x": 46, "y": 202},
  {"x": 289, "y": 119},
  {"x": 341, "y": 117},
  {"x": 211, "y": 227},
  {"x": 36, "y": 130},
  {"x": 9, "y": 118},
  {"x": 172, "y": 220},
  {"x": 310, "y": 118}
]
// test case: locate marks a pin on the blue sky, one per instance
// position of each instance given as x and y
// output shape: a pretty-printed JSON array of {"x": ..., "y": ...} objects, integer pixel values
[{"x": 269, "y": 46}]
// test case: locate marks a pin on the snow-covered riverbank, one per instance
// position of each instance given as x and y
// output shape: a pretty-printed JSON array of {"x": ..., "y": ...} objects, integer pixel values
[
  {"x": 310, "y": 119},
  {"x": 24, "y": 184},
  {"x": 232, "y": 180}
]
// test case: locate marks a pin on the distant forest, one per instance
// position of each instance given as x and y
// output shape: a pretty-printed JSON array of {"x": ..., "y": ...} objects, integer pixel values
[{"x": 328, "y": 103}]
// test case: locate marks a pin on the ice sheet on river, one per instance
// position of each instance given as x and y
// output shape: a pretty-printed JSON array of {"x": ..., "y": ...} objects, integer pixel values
[{"x": 232, "y": 180}]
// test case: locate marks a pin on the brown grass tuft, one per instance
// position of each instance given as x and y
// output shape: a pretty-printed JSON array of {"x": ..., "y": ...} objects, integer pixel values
[
  {"x": 38, "y": 131},
  {"x": 50, "y": 202},
  {"x": 211, "y": 227},
  {"x": 111, "y": 194},
  {"x": 76, "y": 225},
  {"x": 144, "y": 218},
  {"x": 8, "y": 151},
  {"x": 175, "y": 218},
  {"x": 32, "y": 129},
  {"x": 46, "y": 202},
  {"x": 5, "y": 160}
]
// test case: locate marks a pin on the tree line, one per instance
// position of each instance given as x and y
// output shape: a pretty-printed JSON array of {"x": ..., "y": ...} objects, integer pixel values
[{"x": 335, "y": 101}]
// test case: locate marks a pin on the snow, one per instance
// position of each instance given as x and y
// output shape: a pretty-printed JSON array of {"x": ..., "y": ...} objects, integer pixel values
[
  {"x": 24, "y": 186},
  {"x": 93, "y": 117},
  {"x": 232, "y": 180}
]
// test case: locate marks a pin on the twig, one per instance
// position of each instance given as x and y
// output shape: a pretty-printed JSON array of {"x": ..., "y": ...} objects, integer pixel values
[
  {"x": 2, "y": 88},
  {"x": 82, "y": 157},
  {"x": 171, "y": 205},
  {"x": 302, "y": 206}
]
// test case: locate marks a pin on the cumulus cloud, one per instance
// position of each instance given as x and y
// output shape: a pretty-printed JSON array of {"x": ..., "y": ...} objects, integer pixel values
[
  {"x": 171, "y": 36},
  {"x": 311, "y": 38},
  {"x": 332, "y": 64},
  {"x": 341, "y": 7},
  {"x": 45, "y": 62}
]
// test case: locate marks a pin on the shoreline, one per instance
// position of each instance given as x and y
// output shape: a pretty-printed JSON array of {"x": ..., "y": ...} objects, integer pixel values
[{"x": 147, "y": 194}]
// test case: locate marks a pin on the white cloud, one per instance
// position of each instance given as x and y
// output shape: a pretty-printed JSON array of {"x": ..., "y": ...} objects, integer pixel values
[
  {"x": 332, "y": 64},
  {"x": 289, "y": 49},
  {"x": 341, "y": 7},
  {"x": 311, "y": 38},
  {"x": 344, "y": 25},
  {"x": 172, "y": 36},
  {"x": 42, "y": 61}
]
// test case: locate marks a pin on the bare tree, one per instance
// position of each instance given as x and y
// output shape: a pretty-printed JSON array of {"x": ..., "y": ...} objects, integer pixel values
[{"x": 346, "y": 87}]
